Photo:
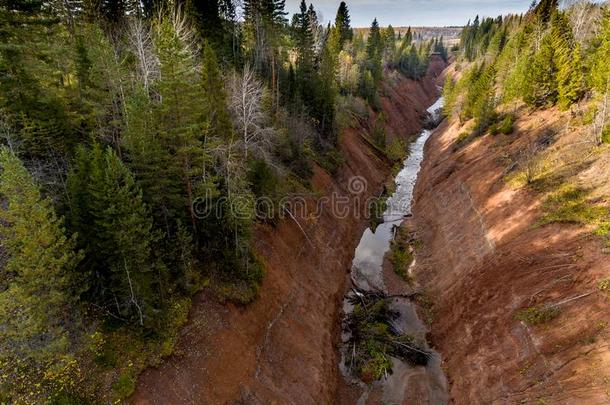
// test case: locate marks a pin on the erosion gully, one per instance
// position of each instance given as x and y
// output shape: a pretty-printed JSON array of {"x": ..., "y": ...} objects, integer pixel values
[{"x": 367, "y": 274}]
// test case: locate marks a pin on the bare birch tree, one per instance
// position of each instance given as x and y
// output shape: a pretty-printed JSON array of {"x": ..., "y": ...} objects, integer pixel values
[
  {"x": 245, "y": 104},
  {"x": 141, "y": 41},
  {"x": 584, "y": 18}
]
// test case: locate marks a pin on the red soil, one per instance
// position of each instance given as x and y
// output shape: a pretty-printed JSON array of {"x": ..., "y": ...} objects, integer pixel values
[
  {"x": 485, "y": 259},
  {"x": 281, "y": 348}
]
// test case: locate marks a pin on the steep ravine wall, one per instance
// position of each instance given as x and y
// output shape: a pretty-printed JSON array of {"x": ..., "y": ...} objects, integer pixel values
[
  {"x": 486, "y": 257},
  {"x": 282, "y": 347}
]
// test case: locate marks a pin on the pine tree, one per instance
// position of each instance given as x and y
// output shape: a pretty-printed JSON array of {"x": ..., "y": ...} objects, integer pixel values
[
  {"x": 32, "y": 72},
  {"x": 125, "y": 231},
  {"x": 37, "y": 283},
  {"x": 374, "y": 46},
  {"x": 570, "y": 76},
  {"x": 116, "y": 229},
  {"x": 342, "y": 22},
  {"x": 215, "y": 99},
  {"x": 181, "y": 121},
  {"x": 264, "y": 25},
  {"x": 306, "y": 57},
  {"x": 545, "y": 9},
  {"x": 388, "y": 38},
  {"x": 484, "y": 106},
  {"x": 541, "y": 86},
  {"x": 600, "y": 70},
  {"x": 151, "y": 161},
  {"x": 328, "y": 81}
]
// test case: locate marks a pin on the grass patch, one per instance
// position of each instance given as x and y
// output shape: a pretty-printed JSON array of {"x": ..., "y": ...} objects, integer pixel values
[
  {"x": 123, "y": 352},
  {"x": 462, "y": 137},
  {"x": 537, "y": 315},
  {"x": 570, "y": 204}
]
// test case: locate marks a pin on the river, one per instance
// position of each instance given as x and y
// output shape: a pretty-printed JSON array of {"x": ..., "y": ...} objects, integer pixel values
[{"x": 406, "y": 383}]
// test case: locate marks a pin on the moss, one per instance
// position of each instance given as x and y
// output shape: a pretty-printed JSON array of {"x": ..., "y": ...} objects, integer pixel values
[{"x": 537, "y": 315}]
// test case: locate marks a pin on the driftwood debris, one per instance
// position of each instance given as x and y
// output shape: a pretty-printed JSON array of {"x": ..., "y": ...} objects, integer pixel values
[{"x": 374, "y": 337}]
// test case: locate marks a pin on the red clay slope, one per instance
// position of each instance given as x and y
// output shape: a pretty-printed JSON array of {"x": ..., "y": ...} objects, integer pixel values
[
  {"x": 485, "y": 259},
  {"x": 281, "y": 348}
]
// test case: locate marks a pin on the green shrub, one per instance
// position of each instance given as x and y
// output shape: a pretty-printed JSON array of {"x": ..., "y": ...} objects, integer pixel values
[
  {"x": 378, "y": 135},
  {"x": 537, "y": 315},
  {"x": 264, "y": 182},
  {"x": 330, "y": 160},
  {"x": 401, "y": 260},
  {"x": 506, "y": 125},
  {"x": 606, "y": 134},
  {"x": 373, "y": 340},
  {"x": 396, "y": 150},
  {"x": 350, "y": 109},
  {"x": 242, "y": 280},
  {"x": 125, "y": 385},
  {"x": 604, "y": 286}
]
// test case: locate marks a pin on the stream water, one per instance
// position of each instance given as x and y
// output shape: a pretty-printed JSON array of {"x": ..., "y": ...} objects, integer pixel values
[{"x": 414, "y": 384}]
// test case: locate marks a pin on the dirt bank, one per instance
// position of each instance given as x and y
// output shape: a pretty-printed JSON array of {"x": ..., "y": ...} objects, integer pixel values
[
  {"x": 486, "y": 257},
  {"x": 280, "y": 349}
]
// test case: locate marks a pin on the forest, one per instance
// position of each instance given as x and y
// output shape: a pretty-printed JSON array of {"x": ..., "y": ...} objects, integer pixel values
[
  {"x": 118, "y": 120},
  {"x": 550, "y": 57}
]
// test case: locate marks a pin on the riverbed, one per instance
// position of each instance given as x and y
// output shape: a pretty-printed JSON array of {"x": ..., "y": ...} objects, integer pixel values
[{"x": 406, "y": 383}]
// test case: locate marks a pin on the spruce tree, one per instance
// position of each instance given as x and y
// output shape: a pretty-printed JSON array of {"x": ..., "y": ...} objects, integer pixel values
[
  {"x": 374, "y": 46},
  {"x": 116, "y": 231},
  {"x": 342, "y": 23},
  {"x": 600, "y": 70},
  {"x": 151, "y": 161},
  {"x": 37, "y": 283},
  {"x": 541, "y": 87},
  {"x": 328, "y": 81},
  {"x": 570, "y": 76},
  {"x": 305, "y": 72},
  {"x": 214, "y": 97},
  {"x": 31, "y": 91},
  {"x": 181, "y": 121},
  {"x": 545, "y": 9}
]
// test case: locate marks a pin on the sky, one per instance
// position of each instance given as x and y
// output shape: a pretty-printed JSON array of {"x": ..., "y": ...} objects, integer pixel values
[{"x": 414, "y": 12}]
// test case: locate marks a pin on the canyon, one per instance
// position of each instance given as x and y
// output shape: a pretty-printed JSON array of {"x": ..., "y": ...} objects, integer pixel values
[
  {"x": 282, "y": 348},
  {"x": 485, "y": 257}
]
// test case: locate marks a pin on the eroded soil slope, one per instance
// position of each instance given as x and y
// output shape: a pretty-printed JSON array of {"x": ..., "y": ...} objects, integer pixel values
[
  {"x": 280, "y": 349},
  {"x": 487, "y": 256}
]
